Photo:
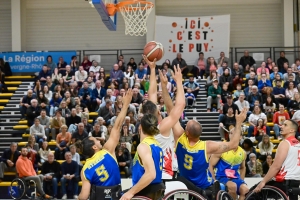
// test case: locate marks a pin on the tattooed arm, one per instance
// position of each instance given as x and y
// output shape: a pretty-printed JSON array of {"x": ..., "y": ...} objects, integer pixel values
[{"x": 221, "y": 147}]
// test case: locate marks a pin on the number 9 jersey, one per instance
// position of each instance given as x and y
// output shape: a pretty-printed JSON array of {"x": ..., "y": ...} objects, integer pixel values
[
  {"x": 102, "y": 169},
  {"x": 193, "y": 162}
]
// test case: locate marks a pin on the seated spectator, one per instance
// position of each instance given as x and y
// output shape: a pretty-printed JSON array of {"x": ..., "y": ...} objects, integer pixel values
[
  {"x": 294, "y": 104},
  {"x": 116, "y": 75},
  {"x": 263, "y": 70},
  {"x": 80, "y": 76},
  {"x": 189, "y": 98},
  {"x": 129, "y": 74},
  {"x": 214, "y": 95},
  {"x": 242, "y": 103},
  {"x": 260, "y": 130},
  {"x": 50, "y": 84},
  {"x": 222, "y": 67},
  {"x": 182, "y": 64},
  {"x": 107, "y": 111},
  {"x": 85, "y": 94},
  {"x": 123, "y": 161},
  {"x": 38, "y": 131},
  {"x": 32, "y": 112},
  {"x": 82, "y": 113},
  {"x": 289, "y": 73},
  {"x": 229, "y": 104},
  {"x": 268, "y": 93},
  {"x": 267, "y": 164},
  {"x": 278, "y": 120},
  {"x": 86, "y": 63},
  {"x": 70, "y": 175},
  {"x": 37, "y": 87},
  {"x": 25, "y": 103},
  {"x": 132, "y": 64},
  {"x": 227, "y": 79},
  {"x": 247, "y": 61},
  {"x": 63, "y": 141},
  {"x": 75, "y": 155},
  {"x": 32, "y": 143},
  {"x": 73, "y": 120},
  {"x": 131, "y": 127},
  {"x": 70, "y": 102},
  {"x": 56, "y": 76},
  {"x": 210, "y": 78},
  {"x": 95, "y": 68},
  {"x": 254, "y": 166},
  {"x": 34, "y": 157},
  {"x": 291, "y": 91},
  {"x": 64, "y": 86},
  {"x": 90, "y": 82},
  {"x": 44, "y": 151},
  {"x": 50, "y": 64},
  {"x": 97, "y": 133},
  {"x": 80, "y": 134},
  {"x": 56, "y": 123},
  {"x": 43, "y": 102},
  {"x": 265, "y": 148},
  {"x": 65, "y": 112},
  {"x": 290, "y": 80},
  {"x": 227, "y": 121},
  {"x": 51, "y": 172},
  {"x": 254, "y": 95},
  {"x": 264, "y": 82},
  {"x": 109, "y": 95},
  {"x": 59, "y": 91},
  {"x": 238, "y": 91},
  {"x": 74, "y": 63},
  {"x": 126, "y": 137},
  {"x": 224, "y": 93},
  {"x": 25, "y": 170},
  {"x": 195, "y": 87},
  {"x": 43, "y": 74},
  {"x": 131, "y": 115},
  {"x": 277, "y": 78},
  {"x": 47, "y": 93},
  {"x": 269, "y": 108},
  {"x": 222, "y": 59},
  {"x": 251, "y": 76},
  {"x": 87, "y": 127},
  {"x": 211, "y": 65},
  {"x": 54, "y": 103},
  {"x": 237, "y": 75},
  {"x": 199, "y": 66},
  {"x": 248, "y": 89},
  {"x": 279, "y": 94},
  {"x": 249, "y": 148},
  {"x": 254, "y": 117},
  {"x": 70, "y": 75},
  {"x": 8, "y": 160},
  {"x": 275, "y": 72}
]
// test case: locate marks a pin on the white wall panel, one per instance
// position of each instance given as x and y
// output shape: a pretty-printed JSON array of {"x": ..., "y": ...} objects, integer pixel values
[{"x": 5, "y": 24}]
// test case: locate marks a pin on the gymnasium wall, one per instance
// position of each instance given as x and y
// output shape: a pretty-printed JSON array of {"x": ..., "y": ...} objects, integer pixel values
[
  {"x": 70, "y": 24},
  {"x": 5, "y": 26}
]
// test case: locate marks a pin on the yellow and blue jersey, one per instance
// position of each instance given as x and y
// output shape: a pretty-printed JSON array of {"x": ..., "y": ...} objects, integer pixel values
[
  {"x": 157, "y": 155},
  {"x": 230, "y": 160},
  {"x": 102, "y": 169},
  {"x": 193, "y": 162}
]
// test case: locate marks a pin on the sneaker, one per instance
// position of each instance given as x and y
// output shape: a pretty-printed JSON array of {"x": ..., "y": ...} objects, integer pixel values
[
  {"x": 75, "y": 197},
  {"x": 64, "y": 196},
  {"x": 46, "y": 196}
]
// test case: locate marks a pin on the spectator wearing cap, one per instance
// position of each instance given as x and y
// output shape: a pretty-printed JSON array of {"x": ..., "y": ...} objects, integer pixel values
[
  {"x": 214, "y": 95},
  {"x": 195, "y": 87},
  {"x": 237, "y": 75},
  {"x": 264, "y": 82},
  {"x": 227, "y": 105}
]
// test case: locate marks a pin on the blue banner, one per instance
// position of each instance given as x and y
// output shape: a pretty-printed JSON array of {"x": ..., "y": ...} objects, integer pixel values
[{"x": 33, "y": 61}]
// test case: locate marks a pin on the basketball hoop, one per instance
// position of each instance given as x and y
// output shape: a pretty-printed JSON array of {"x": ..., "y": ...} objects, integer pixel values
[{"x": 135, "y": 14}]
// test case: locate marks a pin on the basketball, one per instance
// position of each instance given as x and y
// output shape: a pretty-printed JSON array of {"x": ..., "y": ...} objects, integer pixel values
[{"x": 154, "y": 50}]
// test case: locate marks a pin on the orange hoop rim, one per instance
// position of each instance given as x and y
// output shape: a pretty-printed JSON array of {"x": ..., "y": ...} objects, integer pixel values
[{"x": 113, "y": 8}]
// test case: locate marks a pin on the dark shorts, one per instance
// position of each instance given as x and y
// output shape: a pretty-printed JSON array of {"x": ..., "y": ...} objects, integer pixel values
[{"x": 237, "y": 181}]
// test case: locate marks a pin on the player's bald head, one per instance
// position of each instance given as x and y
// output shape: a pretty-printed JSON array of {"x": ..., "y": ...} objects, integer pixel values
[{"x": 193, "y": 129}]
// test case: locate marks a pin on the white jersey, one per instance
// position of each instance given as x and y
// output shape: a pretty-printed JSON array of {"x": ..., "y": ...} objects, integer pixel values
[
  {"x": 290, "y": 169},
  {"x": 170, "y": 160}
]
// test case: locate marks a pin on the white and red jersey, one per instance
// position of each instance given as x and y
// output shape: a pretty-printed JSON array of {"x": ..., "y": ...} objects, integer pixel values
[
  {"x": 170, "y": 161},
  {"x": 290, "y": 169}
]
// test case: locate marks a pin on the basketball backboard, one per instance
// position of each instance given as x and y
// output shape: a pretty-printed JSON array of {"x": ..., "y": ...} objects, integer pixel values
[{"x": 109, "y": 21}]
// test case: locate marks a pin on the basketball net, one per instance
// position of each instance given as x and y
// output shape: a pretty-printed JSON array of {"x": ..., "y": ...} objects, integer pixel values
[{"x": 135, "y": 14}]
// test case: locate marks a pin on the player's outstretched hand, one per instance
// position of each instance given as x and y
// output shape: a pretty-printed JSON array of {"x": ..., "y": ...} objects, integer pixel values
[
  {"x": 127, "y": 97},
  {"x": 163, "y": 78},
  {"x": 127, "y": 196},
  {"x": 152, "y": 64},
  {"x": 177, "y": 76},
  {"x": 259, "y": 187},
  {"x": 242, "y": 116}
]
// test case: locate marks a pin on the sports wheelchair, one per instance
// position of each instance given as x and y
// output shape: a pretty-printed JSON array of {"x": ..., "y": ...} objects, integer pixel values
[{"x": 21, "y": 188}]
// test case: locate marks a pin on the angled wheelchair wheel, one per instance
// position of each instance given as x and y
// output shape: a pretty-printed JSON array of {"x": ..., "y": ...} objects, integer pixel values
[
  {"x": 140, "y": 198},
  {"x": 223, "y": 195},
  {"x": 267, "y": 193},
  {"x": 183, "y": 194},
  {"x": 17, "y": 189}
]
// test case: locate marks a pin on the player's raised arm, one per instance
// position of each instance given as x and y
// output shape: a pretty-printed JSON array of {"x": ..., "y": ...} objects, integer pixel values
[
  {"x": 221, "y": 147},
  {"x": 214, "y": 159},
  {"x": 168, "y": 122},
  {"x": 114, "y": 137},
  {"x": 177, "y": 128},
  {"x": 86, "y": 188},
  {"x": 152, "y": 92}
]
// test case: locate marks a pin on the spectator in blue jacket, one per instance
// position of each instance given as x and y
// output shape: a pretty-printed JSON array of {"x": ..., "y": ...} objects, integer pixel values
[
  {"x": 140, "y": 73},
  {"x": 116, "y": 75},
  {"x": 54, "y": 103},
  {"x": 264, "y": 82},
  {"x": 43, "y": 75},
  {"x": 85, "y": 94}
]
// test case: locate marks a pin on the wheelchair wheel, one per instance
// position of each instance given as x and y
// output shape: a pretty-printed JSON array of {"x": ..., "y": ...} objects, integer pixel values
[
  {"x": 140, "y": 198},
  {"x": 17, "y": 189},
  {"x": 183, "y": 194},
  {"x": 223, "y": 195},
  {"x": 267, "y": 193}
]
